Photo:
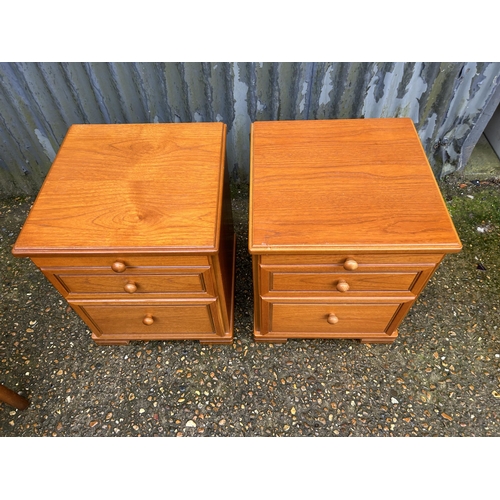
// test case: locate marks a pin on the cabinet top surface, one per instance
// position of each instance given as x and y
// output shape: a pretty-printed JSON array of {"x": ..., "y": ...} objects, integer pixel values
[
  {"x": 130, "y": 187},
  {"x": 340, "y": 185}
]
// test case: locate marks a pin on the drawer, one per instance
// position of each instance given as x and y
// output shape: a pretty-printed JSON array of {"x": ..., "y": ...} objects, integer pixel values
[
  {"x": 350, "y": 262},
  {"x": 341, "y": 283},
  {"x": 183, "y": 281},
  {"x": 322, "y": 279},
  {"x": 120, "y": 263},
  {"x": 332, "y": 319},
  {"x": 150, "y": 320}
]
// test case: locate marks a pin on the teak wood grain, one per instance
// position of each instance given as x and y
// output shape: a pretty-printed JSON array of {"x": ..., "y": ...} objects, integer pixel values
[
  {"x": 133, "y": 226},
  {"x": 334, "y": 185},
  {"x": 347, "y": 213},
  {"x": 130, "y": 187}
]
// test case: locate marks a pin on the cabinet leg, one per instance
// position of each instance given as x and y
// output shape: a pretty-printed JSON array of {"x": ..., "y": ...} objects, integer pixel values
[
  {"x": 100, "y": 341},
  {"x": 386, "y": 339},
  {"x": 257, "y": 337}
]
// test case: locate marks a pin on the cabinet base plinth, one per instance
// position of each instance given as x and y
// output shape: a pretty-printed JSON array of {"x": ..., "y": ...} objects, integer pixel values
[
  {"x": 108, "y": 341},
  {"x": 217, "y": 341},
  {"x": 385, "y": 339}
]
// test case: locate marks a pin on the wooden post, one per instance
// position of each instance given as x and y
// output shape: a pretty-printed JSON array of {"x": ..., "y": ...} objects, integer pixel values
[{"x": 13, "y": 399}]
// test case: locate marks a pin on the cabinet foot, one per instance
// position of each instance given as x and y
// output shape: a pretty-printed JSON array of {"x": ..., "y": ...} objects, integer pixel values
[
  {"x": 386, "y": 339},
  {"x": 257, "y": 337},
  {"x": 100, "y": 341}
]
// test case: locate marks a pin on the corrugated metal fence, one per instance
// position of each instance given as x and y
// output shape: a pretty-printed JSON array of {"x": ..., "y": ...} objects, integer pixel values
[{"x": 450, "y": 103}]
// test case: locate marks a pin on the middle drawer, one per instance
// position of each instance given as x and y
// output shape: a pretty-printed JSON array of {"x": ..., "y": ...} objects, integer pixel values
[
  {"x": 279, "y": 280},
  {"x": 175, "y": 282}
]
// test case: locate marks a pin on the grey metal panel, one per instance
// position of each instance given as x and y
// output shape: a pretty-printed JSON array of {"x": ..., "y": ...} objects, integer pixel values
[{"x": 449, "y": 103}]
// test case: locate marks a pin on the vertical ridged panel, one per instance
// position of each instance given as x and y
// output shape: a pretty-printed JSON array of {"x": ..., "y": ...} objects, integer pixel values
[{"x": 448, "y": 102}]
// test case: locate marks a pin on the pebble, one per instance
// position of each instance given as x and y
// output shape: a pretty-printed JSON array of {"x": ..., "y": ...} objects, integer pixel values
[{"x": 301, "y": 388}]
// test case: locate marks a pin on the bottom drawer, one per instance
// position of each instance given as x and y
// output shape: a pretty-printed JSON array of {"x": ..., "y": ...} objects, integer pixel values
[
  {"x": 331, "y": 319},
  {"x": 145, "y": 320}
]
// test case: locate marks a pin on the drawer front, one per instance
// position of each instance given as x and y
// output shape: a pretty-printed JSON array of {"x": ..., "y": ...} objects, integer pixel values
[
  {"x": 194, "y": 282},
  {"x": 334, "y": 280},
  {"x": 331, "y": 319},
  {"x": 150, "y": 320},
  {"x": 340, "y": 283},
  {"x": 112, "y": 262}
]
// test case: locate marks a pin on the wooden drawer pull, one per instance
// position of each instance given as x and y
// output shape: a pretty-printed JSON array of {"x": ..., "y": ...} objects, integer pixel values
[
  {"x": 130, "y": 287},
  {"x": 148, "y": 320},
  {"x": 118, "y": 267},
  {"x": 342, "y": 286},
  {"x": 332, "y": 319},
  {"x": 350, "y": 264}
]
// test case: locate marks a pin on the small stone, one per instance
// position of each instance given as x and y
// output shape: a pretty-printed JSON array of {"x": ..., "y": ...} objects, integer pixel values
[
  {"x": 446, "y": 416},
  {"x": 293, "y": 411},
  {"x": 131, "y": 396},
  {"x": 222, "y": 422},
  {"x": 190, "y": 423},
  {"x": 142, "y": 410},
  {"x": 394, "y": 401},
  {"x": 93, "y": 423},
  {"x": 109, "y": 415},
  {"x": 59, "y": 426},
  {"x": 286, "y": 427}
]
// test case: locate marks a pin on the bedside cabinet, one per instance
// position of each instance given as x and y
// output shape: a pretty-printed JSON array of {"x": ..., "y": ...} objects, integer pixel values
[
  {"x": 346, "y": 226},
  {"x": 133, "y": 226}
]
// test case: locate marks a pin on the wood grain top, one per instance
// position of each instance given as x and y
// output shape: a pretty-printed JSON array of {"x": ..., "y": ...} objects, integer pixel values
[
  {"x": 340, "y": 185},
  {"x": 130, "y": 188}
]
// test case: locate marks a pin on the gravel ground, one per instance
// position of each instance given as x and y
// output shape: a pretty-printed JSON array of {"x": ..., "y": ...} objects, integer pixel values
[{"x": 440, "y": 377}]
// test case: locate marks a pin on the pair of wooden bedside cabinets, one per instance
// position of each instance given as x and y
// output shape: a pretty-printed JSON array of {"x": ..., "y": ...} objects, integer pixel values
[{"x": 133, "y": 226}]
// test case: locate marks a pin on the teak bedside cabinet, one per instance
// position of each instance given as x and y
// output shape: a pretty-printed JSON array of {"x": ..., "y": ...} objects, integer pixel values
[
  {"x": 133, "y": 226},
  {"x": 346, "y": 226}
]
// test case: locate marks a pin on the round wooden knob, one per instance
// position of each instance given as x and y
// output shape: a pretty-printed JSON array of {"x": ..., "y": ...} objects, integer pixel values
[
  {"x": 350, "y": 264},
  {"x": 130, "y": 287},
  {"x": 342, "y": 286},
  {"x": 332, "y": 319},
  {"x": 148, "y": 320},
  {"x": 118, "y": 267}
]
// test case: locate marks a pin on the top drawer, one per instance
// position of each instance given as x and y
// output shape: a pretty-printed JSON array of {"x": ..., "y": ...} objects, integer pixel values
[{"x": 119, "y": 264}]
